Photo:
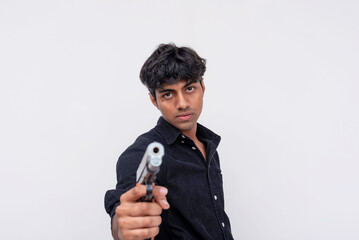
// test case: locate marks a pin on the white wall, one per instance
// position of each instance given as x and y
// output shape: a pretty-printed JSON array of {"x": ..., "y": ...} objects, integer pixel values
[{"x": 282, "y": 85}]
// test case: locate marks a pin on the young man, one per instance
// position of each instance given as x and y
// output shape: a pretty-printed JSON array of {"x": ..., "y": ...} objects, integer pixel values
[{"x": 189, "y": 202}]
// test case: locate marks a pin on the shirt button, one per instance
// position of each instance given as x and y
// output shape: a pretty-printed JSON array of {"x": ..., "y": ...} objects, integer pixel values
[
  {"x": 223, "y": 224},
  {"x": 193, "y": 148},
  {"x": 215, "y": 197},
  {"x": 183, "y": 136}
]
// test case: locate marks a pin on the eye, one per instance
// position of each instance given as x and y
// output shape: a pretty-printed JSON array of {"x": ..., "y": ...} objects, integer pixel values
[
  {"x": 190, "y": 89},
  {"x": 167, "y": 95}
]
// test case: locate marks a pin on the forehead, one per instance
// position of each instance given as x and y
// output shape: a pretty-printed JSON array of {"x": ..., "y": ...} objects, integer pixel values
[{"x": 177, "y": 84}]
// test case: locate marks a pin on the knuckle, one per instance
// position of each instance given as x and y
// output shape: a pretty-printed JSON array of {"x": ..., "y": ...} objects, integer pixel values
[
  {"x": 118, "y": 210},
  {"x": 147, "y": 221},
  {"x": 122, "y": 222},
  {"x": 146, "y": 232},
  {"x": 125, "y": 235},
  {"x": 137, "y": 235},
  {"x": 122, "y": 198},
  {"x": 137, "y": 190},
  {"x": 145, "y": 207}
]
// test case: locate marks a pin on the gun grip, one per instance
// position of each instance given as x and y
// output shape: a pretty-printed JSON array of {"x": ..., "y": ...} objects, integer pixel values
[
  {"x": 149, "y": 196},
  {"x": 149, "y": 188}
]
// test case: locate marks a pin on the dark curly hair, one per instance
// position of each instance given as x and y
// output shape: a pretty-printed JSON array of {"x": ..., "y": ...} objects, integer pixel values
[{"x": 169, "y": 64}]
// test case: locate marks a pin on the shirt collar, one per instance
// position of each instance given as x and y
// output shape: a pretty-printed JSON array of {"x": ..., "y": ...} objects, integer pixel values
[
  {"x": 206, "y": 134},
  {"x": 171, "y": 133},
  {"x": 167, "y": 130}
]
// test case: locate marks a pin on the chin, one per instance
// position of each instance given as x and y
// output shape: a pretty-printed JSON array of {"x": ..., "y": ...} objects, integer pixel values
[
  {"x": 185, "y": 126},
  {"x": 182, "y": 126}
]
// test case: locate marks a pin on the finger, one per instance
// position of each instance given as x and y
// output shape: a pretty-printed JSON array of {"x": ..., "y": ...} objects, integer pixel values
[
  {"x": 159, "y": 191},
  {"x": 137, "y": 209},
  {"x": 142, "y": 233},
  {"x": 139, "y": 222},
  {"x": 159, "y": 194},
  {"x": 133, "y": 194}
]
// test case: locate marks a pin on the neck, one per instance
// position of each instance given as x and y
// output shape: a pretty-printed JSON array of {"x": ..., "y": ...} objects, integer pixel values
[{"x": 191, "y": 133}]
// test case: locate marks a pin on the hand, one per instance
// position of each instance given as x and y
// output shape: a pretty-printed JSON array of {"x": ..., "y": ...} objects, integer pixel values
[{"x": 139, "y": 220}]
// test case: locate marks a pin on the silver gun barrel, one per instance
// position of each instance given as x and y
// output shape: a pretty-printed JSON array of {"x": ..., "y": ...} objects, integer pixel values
[{"x": 150, "y": 164}]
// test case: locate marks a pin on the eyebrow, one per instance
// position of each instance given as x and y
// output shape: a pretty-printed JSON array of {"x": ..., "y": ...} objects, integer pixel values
[
  {"x": 189, "y": 83},
  {"x": 171, "y": 90},
  {"x": 166, "y": 90}
]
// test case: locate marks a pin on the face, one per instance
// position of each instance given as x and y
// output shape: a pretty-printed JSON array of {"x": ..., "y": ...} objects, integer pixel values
[{"x": 180, "y": 104}]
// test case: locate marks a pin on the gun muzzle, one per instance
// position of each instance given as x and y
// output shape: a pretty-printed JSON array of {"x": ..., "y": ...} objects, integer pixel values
[{"x": 150, "y": 164}]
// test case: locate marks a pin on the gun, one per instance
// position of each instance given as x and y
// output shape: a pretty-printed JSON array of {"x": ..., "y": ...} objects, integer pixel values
[{"x": 149, "y": 167}]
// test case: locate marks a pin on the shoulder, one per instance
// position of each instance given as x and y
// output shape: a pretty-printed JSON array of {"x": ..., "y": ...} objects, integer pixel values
[
  {"x": 143, "y": 141},
  {"x": 132, "y": 156},
  {"x": 205, "y": 133}
]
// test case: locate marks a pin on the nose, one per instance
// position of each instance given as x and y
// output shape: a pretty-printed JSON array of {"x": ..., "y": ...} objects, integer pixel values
[{"x": 182, "y": 102}]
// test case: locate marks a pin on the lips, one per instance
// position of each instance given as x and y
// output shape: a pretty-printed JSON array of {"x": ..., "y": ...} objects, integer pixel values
[{"x": 184, "y": 116}]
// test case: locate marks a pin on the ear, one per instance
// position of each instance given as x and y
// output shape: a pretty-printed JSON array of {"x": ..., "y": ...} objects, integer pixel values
[
  {"x": 203, "y": 86},
  {"x": 153, "y": 100}
]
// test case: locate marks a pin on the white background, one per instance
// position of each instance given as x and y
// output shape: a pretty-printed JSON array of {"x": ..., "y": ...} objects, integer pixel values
[{"x": 282, "y": 91}]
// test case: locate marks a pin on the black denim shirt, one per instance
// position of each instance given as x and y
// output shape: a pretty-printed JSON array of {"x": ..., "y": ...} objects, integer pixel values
[{"x": 195, "y": 188}]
